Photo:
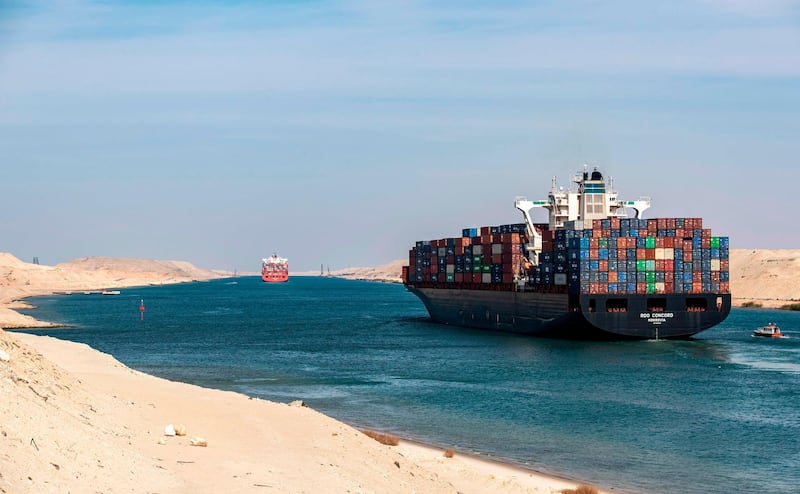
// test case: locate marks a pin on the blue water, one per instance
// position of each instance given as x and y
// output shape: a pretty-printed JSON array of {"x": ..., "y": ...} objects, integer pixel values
[{"x": 717, "y": 414}]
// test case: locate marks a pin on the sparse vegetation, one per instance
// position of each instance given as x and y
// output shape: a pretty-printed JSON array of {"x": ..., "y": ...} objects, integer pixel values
[
  {"x": 449, "y": 453},
  {"x": 581, "y": 489},
  {"x": 386, "y": 439},
  {"x": 751, "y": 305},
  {"x": 795, "y": 306}
]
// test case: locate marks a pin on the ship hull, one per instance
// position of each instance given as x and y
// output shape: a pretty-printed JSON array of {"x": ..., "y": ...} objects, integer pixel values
[
  {"x": 591, "y": 317},
  {"x": 274, "y": 277}
]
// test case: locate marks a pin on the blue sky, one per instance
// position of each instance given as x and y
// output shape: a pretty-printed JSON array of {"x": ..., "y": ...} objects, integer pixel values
[{"x": 339, "y": 133}]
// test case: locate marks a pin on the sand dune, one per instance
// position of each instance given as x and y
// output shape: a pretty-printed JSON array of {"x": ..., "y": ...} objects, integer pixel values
[
  {"x": 767, "y": 277},
  {"x": 20, "y": 279}
]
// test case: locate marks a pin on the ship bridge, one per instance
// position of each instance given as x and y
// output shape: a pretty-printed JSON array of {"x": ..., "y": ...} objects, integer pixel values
[{"x": 592, "y": 199}]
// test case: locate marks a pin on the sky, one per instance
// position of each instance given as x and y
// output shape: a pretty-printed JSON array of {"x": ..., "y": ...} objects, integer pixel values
[{"x": 339, "y": 133}]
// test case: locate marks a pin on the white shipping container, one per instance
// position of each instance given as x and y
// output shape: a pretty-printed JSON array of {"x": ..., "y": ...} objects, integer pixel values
[
  {"x": 451, "y": 268},
  {"x": 497, "y": 248},
  {"x": 442, "y": 251},
  {"x": 715, "y": 266},
  {"x": 669, "y": 253},
  {"x": 660, "y": 254},
  {"x": 560, "y": 278},
  {"x": 477, "y": 249}
]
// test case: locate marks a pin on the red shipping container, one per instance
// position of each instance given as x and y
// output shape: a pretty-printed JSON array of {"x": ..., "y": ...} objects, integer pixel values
[
  {"x": 650, "y": 254},
  {"x": 641, "y": 288},
  {"x": 497, "y": 258},
  {"x": 597, "y": 224},
  {"x": 687, "y": 256},
  {"x": 606, "y": 233},
  {"x": 458, "y": 277},
  {"x": 697, "y": 287},
  {"x": 669, "y": 287},
  {"x": 622, "y": 254},
  {"x": 660, "y": 242},
  {"x": 724, "y": 265},
  {"x": 405, "y": 274},
  {"x": 724, "y": 287},
  {"x": 508, "y": 278},
  {"x": 486, "y": 230},
  {"x": 434, "y": 269},
  {"x": 594, "y": 254},
  {"x": 660, "y": 265},
  {"x": 615, "y": 223},
  {"x": 594, "y": 243},
  {"x": 669, "y": 242},
  {"x": 705, "y": 243},
  {"x": 669, "y": 266},
  {"x": 612, "y": 276},
  {"x": 603, "y": 266},
  {"x": 669, "y": 277},
  {"x": 476, "y": 277},
  {"x": 641, "y": 253}
]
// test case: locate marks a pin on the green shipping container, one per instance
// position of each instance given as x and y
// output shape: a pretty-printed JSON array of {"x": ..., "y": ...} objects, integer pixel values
[
  {"x": 451, "y": 277},
  {"x": 651, "y": 287},
  {"x": 650, "y": 242},
  {"x": 650, "y": 265},
  {"x": 641, "y": 265},
  {"x": 651, "y": 277},
  {"x": 715, "y": 242}
]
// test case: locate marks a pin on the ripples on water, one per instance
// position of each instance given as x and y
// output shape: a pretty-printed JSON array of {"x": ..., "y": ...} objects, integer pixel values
[{"x": 715, "y": 414}]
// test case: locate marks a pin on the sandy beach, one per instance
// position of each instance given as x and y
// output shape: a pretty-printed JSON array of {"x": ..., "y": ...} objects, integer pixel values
[{"x": 76, "y": 420}]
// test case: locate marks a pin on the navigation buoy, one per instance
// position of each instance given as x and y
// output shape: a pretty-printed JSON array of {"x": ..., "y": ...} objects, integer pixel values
[{"x": 141, "y": 309}]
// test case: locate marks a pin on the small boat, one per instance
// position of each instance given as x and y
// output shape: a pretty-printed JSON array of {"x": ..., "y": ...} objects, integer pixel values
[
  {"x": 771, "y": 330},
  {"x": 110, "y": 292}
]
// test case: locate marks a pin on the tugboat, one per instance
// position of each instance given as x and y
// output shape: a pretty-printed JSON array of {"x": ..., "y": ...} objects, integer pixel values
[{"x": 771, "y": 330}]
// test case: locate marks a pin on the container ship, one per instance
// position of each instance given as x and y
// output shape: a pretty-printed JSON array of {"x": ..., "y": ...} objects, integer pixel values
[
  {"x": 274, "y": 269},
  {"x": 591, "y": 272}
]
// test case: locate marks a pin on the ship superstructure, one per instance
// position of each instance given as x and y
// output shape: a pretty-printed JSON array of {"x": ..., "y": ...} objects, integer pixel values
[
  {"x": 274, "y": 269},
  {"x": 590, "y": 272}
]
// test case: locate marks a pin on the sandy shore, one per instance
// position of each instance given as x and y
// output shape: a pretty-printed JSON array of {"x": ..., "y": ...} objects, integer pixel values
[
  {"x": 76, "y": 420},
  {"x": 73, "y": 419}
]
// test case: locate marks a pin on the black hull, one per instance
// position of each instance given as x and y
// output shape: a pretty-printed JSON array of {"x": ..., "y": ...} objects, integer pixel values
[{"x": 592, "y": 317}]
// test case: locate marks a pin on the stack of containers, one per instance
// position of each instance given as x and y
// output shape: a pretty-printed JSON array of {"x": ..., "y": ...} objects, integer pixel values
[
  {"x": 491, "y": 255},
  {"x": 615, "y": 256},
  {"x": 654, "y": 256}
]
